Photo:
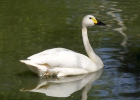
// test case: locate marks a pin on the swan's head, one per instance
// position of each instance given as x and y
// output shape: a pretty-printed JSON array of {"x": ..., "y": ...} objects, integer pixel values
[{"x": 90, "y": 20}]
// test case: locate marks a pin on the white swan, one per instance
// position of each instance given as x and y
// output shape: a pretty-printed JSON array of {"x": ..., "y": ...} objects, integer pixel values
[{"x": 64, "y": 62}]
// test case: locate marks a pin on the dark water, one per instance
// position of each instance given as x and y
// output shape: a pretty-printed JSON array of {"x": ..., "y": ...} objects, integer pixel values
[{"x": 31, "y": 26}]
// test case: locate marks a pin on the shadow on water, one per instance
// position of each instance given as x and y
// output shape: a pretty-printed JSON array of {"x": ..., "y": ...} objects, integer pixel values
[{"x": 64, "y": 86}]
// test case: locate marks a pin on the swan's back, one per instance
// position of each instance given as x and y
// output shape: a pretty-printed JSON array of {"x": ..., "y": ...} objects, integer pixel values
[{"x": 48, "y": 52}]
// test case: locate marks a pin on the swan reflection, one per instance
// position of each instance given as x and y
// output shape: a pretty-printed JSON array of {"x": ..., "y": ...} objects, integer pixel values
[{"x": 65, "y": 86}]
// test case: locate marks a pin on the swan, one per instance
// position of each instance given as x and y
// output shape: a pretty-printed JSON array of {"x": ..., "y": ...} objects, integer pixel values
[{"x": 64, "y": 62}]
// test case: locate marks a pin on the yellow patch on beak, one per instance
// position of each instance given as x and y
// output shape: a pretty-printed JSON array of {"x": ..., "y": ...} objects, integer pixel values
[{"x": 94, "y": 20}]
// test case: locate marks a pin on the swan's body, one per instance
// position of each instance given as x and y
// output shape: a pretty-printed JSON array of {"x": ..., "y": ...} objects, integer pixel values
[{"x": 64, "y": 62}]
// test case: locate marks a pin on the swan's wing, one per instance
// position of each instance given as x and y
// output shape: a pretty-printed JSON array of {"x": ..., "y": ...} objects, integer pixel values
[
  {"x": 47, "y": 52},
  {"x": 57, "y": 57},
  {"x": 60, "y": 57}
]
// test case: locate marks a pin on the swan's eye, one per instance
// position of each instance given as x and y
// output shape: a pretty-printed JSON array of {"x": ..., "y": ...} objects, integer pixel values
[{"x": 90, "y": 18}]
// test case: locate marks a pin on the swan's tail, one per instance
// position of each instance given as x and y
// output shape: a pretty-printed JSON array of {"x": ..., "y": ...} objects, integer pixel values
[
  {"x": 36, "y": 68},
  {"x": 23, "y": 61}
]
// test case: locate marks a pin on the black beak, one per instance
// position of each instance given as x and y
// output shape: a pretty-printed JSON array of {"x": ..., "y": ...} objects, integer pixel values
[{"x": 100, "y": 23}]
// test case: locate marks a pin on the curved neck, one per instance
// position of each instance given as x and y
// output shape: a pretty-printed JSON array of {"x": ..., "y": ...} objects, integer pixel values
[
  {"x": 85, "y": 91},
  {"x": 89, "y": 49}
]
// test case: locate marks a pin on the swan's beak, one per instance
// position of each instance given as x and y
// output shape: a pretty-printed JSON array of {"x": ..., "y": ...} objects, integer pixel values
[{"x": 97, "y": 22}]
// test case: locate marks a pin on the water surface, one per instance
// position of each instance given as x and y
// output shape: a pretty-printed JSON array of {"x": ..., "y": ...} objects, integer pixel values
[{"x": 29, "y": 26}]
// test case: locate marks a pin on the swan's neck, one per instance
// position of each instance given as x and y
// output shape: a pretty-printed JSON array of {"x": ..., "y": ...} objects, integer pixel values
[{"x": 89, "y": 49}]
